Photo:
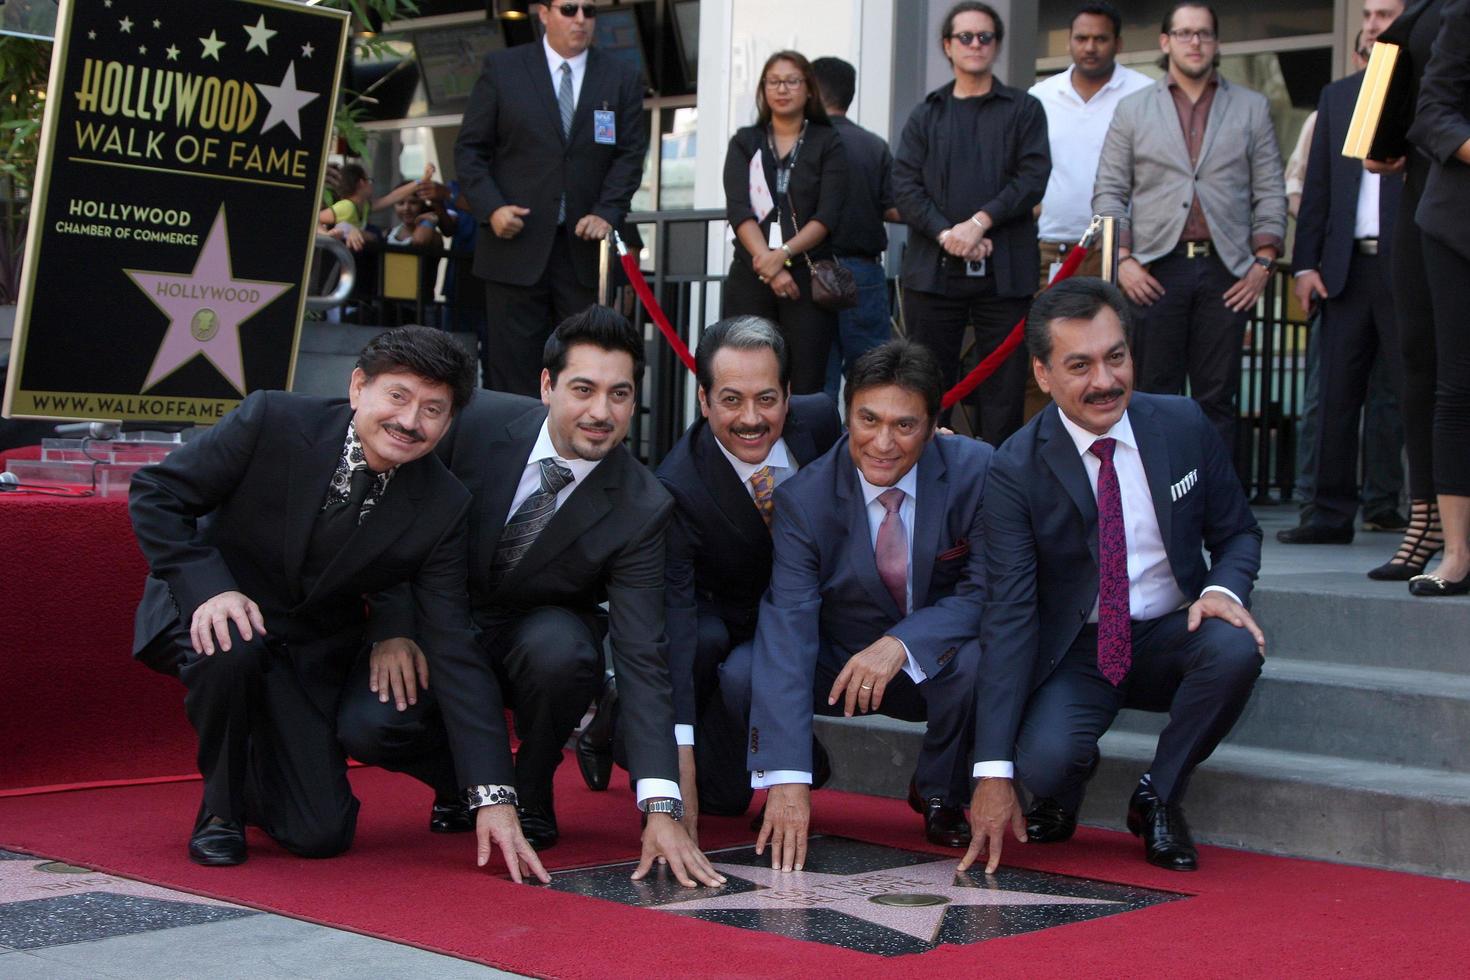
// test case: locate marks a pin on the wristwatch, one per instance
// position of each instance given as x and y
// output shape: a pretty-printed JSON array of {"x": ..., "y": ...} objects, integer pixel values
[
  {"x": 663, "y": 804},
  {"x": 1263, "y": 262}
]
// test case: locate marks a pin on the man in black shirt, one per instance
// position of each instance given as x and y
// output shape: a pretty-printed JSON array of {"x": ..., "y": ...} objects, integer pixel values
[
  {"x": 860, "y": 239},
  {"x": 972, "y": 165}
]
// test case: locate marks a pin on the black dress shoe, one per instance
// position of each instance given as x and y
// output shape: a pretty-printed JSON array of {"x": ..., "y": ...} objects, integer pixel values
[
  {"x": 1433, "y": 585},
  {"x": 1316, "y": 534},
  {"x": 1166, "y": 840},
  {"x": 1048, "y": 822},
  {"x": 595, "y": 744},
  {"x": 538, "y": 823},
  {"x": 218, "y": 844},
  {"x": 1387, "y": 520},
  {"x": 946, "y": 825},
  {"x": 451, "y": 817}
]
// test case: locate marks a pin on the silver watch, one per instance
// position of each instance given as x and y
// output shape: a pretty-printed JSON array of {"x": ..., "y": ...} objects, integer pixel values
[{"x": 674, "y": 808}]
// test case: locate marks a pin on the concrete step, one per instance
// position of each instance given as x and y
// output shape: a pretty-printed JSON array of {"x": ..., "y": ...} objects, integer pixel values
[
  {"x": 1292, "y": 803},
  {"x": 1346, "y": 618},
  {"x": 1380, "y": 714}
]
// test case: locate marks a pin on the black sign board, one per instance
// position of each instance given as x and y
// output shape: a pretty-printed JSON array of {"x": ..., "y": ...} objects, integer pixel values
[{"x": 172, "y": 228}]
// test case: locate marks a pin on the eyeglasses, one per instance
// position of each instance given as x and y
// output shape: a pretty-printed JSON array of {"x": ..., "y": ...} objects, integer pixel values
[
  {"x": 1184, "y": 37},
  {"x": 569, "y": 10},
  {"x": 786, "y": 84},
  {"x": 968, "y": 38}
]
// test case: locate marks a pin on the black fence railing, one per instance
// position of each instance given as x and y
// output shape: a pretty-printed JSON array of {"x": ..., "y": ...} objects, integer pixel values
[{"x": 673, "y": 248}]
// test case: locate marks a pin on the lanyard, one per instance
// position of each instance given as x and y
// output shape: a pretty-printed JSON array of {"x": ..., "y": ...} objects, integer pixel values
[{"x": 783, "y": 173}]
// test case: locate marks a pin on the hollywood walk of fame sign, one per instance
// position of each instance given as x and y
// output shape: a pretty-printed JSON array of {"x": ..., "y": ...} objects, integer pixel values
[
  {"x": 172, "y": 228},
  {"x": 869, "y": 898}
]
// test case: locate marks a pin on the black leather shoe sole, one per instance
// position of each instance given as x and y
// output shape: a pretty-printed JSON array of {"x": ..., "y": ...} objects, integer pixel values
[
  {"x": 1176, "y": 854},
  {"x": 539, "y": 827},
  {"x": 218, "y": 845},
  {"x": 451, "y": 818},
  {"x": 946, "y": 826},
  {"x": 1048, "y": 823},
  {"x": 1315, "y": 534}
]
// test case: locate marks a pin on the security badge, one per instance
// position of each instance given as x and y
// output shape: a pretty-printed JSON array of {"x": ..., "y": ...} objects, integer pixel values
[{"x": 604, "y": 126}]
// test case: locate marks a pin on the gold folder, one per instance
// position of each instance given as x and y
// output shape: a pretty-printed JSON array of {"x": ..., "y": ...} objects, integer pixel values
[{"x": 1372, "y": 97}]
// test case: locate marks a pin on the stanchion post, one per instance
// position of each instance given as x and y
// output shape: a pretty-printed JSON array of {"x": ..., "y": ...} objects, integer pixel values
[
  {"x": 1108, "y": 242},
  {"x": 604, "y": 271}
]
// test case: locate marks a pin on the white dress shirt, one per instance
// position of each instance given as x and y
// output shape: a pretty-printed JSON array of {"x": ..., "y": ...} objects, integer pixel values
[
  {"x": 554, "y": 62},
  {"x": 531, "y": 483},
  {"x": 1365, "y": 222},
  {"x": 1152, "y": 589},
  {"x": 783, "y": 467},
  {"x": 909, "y": 484},
  {"x": 1076, "y": 130}
]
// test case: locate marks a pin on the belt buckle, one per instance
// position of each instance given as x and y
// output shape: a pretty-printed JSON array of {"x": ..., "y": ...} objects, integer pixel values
[{"x": 1197, "y": 250}]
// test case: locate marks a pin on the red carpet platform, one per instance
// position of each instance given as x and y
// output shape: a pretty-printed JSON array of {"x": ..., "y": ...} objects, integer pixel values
[
  {"x": 75, "y": 707},
  {"x": 1248, "y": 915}
]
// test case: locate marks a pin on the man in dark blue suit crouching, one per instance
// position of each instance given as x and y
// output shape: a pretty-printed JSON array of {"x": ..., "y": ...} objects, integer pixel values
[
  {"x": 874, "y": 603},
  {"x": 1096, "y": 519}
]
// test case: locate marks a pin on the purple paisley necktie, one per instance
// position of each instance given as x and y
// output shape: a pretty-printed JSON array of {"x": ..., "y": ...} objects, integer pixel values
[{"x": 1114, "y": 631}]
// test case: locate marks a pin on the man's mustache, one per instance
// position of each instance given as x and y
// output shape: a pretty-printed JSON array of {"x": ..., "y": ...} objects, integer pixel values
[
  {"x": 759, "y": 430},
  {"x": 1102, "y": 396},
  {"x": 413, "y": 434}
]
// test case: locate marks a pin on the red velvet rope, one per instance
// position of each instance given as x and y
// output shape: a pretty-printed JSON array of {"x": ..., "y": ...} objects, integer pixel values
[{"x": 966, "y": 385}]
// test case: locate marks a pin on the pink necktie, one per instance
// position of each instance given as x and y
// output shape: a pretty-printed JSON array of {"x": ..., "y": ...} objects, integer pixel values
[
  {"x": 1114, "y": 630},
  {"x": 892, "y": 550}
]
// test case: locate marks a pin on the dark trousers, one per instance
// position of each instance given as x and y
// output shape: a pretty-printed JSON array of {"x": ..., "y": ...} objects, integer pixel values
[
  {"x": 1356, "y": 332},
  {"x": 807, "y": 328},
  {"x": 863, "y": 327},
  {"x": 1202, "y": 679},
  {"x": 1191, "y": 334},
  {"x": 719, "y": 736},
  {"x": 549, "y": 664},
  {"x": 267, "y": 753},
  {"x": 1449, "y": 278},
  {"x": 522, "y": 317},
  {"x": 938, "y": 321},
  {"x": 945, "y": 701},
  {"x": 1415, "y": 321}
]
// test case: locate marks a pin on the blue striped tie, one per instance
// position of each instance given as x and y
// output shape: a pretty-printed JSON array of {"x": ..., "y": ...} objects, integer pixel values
[
  {"x": 567, "y": 104},
  {"x": 529, "y": 520}
]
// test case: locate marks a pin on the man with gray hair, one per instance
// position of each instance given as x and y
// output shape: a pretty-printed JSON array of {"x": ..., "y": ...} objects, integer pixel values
[{"x": 753, "y": 436}]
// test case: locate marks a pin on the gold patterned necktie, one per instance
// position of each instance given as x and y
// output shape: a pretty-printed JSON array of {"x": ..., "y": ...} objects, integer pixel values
[{"x": 765, "y": 488}]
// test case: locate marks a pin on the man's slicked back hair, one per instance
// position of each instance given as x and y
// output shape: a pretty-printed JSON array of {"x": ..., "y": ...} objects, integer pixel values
[
  {"x": 740, "y": 333},
  {"x": 431, "y": 354},
  {"x": 600, "y": 326},
  {"x": 1077, "y": 298},
  {"x": 904, "y": 363}
]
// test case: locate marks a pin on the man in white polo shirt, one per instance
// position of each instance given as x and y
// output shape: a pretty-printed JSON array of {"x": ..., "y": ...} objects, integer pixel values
[{"x": 1079, "y": 105}]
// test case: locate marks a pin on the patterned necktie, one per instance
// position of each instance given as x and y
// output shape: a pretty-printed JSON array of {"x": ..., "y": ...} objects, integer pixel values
[
  {"x": 529, "y": 520},
  {"x": 1114, "y": 629},
  {"x": 892, "y": 550},
  {"x": 765, "y": 489},
  {"x": 566, "y": 102}
]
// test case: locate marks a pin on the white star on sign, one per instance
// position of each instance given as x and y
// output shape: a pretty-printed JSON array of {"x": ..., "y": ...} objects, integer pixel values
[
  {"x": 286, "y": 101},
  {"x": 107, "y": 4},
  {"x": 172, "y": 52},
  {"x": 852, "y": 895},
  {"x": 125, "y": 25},
  {"x": 142, "y": 49},
  {"x": 259, "y": 35},
  {"x": 157, "y": 23},
  {"x": 91, "y": 35},
  {"x": 307, "y": 49},
  {"x": 212, "y": 45}
]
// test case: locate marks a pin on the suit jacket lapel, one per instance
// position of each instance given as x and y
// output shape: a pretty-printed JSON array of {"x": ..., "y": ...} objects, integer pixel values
[
  {"x": 1170, "y": 122},
  {"x": 502, "y": 463},
  {"x": 1154, "y": 449},
  {"x": 389, "y": 519},
  {"x": 591, "y": 82},
  {"x": 536, "y": 67},
  {"x": 589, "y": 503},
  {"x": 309, "y": 470},
  {"x": 1060, "y": 453},
  {"x": 1216, "y": 119},
  {"x": 735, "y": 503},
  {"x": 860, "y": 539},
  {"x": 929, "y": 510}
]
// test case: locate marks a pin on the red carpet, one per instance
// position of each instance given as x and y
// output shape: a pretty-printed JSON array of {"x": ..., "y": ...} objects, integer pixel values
[
  {"x": 74, "y": 706},
  {"x": 1251, "y": 915}
]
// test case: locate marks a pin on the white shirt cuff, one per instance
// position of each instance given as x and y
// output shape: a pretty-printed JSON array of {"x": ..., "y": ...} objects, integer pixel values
[
  {"x": 766, "y": 778},
  {"x": 1221, "y": 588},
  {"x": 912, "y": 668},
  {"x": 1298, "y": 275},
  {"x": 684, "y": 734},
  {"x": 994, "y": 770},
  {"x": 657, "y": 789}
]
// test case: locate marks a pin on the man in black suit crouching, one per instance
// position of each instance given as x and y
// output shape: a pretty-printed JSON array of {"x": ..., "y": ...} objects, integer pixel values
[
  {"x": 1099, "y": 598},
  {"x": 753, "y": 436},
  {"x": 262, "y": 537},
  {"x": 564, "y": 518}
]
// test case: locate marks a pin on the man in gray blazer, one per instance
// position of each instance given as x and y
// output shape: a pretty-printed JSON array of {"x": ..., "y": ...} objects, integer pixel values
[{"x": 1191, "y": 169}]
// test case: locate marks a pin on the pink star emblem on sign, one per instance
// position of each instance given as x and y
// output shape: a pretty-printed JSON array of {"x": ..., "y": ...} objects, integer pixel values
[{"x": 205, "y": 309}]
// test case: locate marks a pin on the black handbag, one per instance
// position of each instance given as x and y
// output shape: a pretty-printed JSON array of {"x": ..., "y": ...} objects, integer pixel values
[{"x": 833, "y": 285}]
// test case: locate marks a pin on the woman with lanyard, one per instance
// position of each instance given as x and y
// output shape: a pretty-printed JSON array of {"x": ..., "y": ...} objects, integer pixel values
[{"x": 785, "y": 180}]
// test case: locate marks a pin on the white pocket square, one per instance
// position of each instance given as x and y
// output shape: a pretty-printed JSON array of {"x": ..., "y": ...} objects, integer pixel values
[{"x": 1184, "y": 486}]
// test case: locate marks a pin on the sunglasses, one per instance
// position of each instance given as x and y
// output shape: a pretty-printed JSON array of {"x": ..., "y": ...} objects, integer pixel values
[
  {"x": 569, "y": 10},
  {"x": 968, "y": 38}
]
